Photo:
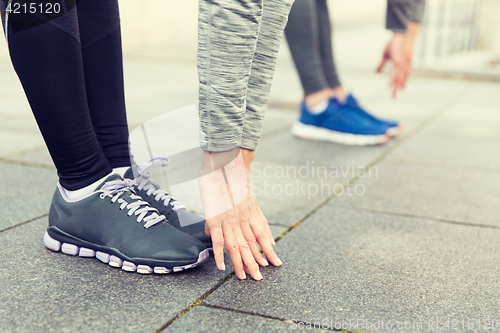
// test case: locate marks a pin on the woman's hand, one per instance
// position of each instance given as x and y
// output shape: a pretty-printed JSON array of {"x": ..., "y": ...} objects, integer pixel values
[
  {"x": 234, "y": 219},
  {"x": 399, "y": 51}
]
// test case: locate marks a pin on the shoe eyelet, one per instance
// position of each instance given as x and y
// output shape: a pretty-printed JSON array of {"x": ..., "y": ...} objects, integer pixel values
[{"x": 102, "y": 196}]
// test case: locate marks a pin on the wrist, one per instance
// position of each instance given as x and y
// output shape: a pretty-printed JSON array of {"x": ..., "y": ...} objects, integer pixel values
[
  {"x": 248, "y": 157},
  {"x": 214, "y": 161},
  {"x": 411, "y": 33}
]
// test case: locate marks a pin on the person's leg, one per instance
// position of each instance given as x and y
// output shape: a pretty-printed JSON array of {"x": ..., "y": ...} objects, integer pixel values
[
  {"x": 48, "y": 60},
  {"x": 326, "y": 50},
  {"x": 47, "y": 57},
  {"x": 342, "y": 97},
  {"x": 309, "y": 37},
  {"x": 100, "y": 36},
  {"x": 303, "y": 36}
]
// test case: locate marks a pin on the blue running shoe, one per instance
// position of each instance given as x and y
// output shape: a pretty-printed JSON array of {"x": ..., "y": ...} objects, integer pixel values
[
  {"x": 340, "y": 125},
  {"x": 394, "y": 128}
]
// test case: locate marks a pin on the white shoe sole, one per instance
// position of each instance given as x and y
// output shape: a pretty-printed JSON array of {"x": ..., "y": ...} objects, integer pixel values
[
  {"x": 395, "y": 131},
  {"x": 311, "y": 132},
  {"x": 114, "y": 261}
]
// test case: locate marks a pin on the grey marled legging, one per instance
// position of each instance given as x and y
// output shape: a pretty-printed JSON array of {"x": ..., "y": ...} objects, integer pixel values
[{"x": 238, "y": 42}]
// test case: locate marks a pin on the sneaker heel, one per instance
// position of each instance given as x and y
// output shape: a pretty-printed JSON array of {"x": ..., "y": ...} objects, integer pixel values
[{"x": 51, "y": 243}]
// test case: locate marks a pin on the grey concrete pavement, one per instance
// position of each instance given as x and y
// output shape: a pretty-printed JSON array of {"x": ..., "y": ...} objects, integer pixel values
[{"x": 417, "y": 239}]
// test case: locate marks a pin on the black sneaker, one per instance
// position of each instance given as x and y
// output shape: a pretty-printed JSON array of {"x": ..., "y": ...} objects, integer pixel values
[
  {"x": 120, "y": 229},
  {"x": 176, "y": 214}
]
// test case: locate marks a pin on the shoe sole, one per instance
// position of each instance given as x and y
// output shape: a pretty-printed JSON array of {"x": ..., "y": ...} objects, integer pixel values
[
  {"x": 114, "y": 261},
  {"x": 322, "y": 134},
  {"x": 395, "y": 131}
]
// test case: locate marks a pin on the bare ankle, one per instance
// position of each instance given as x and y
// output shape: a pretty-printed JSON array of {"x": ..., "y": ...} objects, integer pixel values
[
  {"x": 339, "y": 92},
  {"x": 318, "y": 97}
]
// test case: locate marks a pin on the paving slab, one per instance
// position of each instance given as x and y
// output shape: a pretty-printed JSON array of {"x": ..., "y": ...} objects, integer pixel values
[
  {"x": 277, "y": 121},
  {"x": 468, "y": 121},
  {"x": 450, "y": 150},
  {"x": 465, "y": 135},
  {"x": 286, "y": 149},
  {"x": 14, "y": 141},
  {"x": 27, "y": 193},
  {"x": 342, "y": 264},
  {"x": 287, "y": 192},
  {"x": 41, "y": 157},
  {"x": 205, "y": 319},
  {"x": 421, "y": 97},
  {"x": 43, "y": 291},
  {"x": 481, "y": 96},
  {"x": 153, "y": 88},
  {"x": 456, "y": 194}
]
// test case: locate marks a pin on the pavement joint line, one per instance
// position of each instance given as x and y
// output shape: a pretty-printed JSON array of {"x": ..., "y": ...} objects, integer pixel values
[
  {"x": 477, "y": 76},
  {"x": 279, "y": 225},
  {"x": 421, "y": 217},
  {"x": 457, "y": 75},
  {"x": 196, "y": 303},
  {"x": 396, "y": 161},
  {"x": 23, "y": 223},
  {"x": 23, "y": 152},
  {"x": 26, "y": 163},
  {"x": 255, "y": 314}
]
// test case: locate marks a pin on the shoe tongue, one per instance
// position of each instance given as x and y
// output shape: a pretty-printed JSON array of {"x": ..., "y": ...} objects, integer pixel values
[
  {"x": 350, "y": 100},
  {"x": 112, "y": 177},
  {"x": 334, "y": 100},
  {"x": 131, "y": 172}
]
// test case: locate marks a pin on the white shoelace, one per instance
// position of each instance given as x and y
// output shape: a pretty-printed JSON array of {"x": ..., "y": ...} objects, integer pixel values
[
  {"x": 140, "y": 208},
  {"x": 143, "y": 183}
]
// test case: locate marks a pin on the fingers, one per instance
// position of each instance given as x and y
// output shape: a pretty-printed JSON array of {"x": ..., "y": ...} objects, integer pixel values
[
  {"x": 226, "y": 231},
  {"x": 252, "y": 243},
  {"x": 398, "y": 76},
  {"x": 233, "y": 249},
  {"x": 382, "y": 64},
  {"x": 236, "y": 246},
  {"x": 267, "y": 228},
  {"x": 265, "y": 243},
  {"x": 259, "y": 215},
  {"x": 247, "y": 257},
  {"x": 214, "y": 224},
  {"x": 270, "y": 234},
  {"x": 407, "y": 73}
]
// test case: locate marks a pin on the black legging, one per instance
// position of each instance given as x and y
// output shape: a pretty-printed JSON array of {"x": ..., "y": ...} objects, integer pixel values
[
  {"x": 72, "y": 73},
  {"x": 308, "y": 33}
]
